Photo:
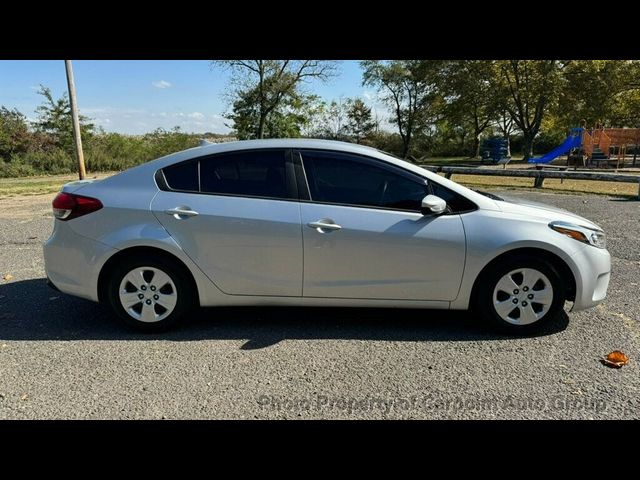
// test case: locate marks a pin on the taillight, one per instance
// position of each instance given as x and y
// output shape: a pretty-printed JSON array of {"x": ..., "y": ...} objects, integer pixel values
[{"x": 67, "y": 206}]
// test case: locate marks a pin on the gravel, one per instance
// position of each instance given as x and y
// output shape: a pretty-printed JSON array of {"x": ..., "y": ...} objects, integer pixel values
[{"x": 62, "y": 357}]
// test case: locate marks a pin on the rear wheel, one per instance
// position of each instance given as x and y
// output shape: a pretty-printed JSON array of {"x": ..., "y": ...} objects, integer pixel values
[
  {"x": 520, "y": 294},
  {"x": 150, "y": 294}
]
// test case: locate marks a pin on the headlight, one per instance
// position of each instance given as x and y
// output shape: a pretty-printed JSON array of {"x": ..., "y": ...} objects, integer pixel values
[{"x": 587, "y": 235}]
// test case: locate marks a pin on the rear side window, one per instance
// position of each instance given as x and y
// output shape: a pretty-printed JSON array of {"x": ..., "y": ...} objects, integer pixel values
[
  {"x": 183, "y": 176},
  {"x": 259, "y": 173}
]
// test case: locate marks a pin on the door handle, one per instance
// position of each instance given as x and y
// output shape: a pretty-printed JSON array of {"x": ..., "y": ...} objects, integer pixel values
[
  {"x": 181, "y": 212},
  {"x": 324, "y": 224}
]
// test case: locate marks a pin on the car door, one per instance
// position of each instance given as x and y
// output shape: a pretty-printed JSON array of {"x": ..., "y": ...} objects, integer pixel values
[
  {"x": 364, "y": 236},
  {"x": 236, "y": 216}
]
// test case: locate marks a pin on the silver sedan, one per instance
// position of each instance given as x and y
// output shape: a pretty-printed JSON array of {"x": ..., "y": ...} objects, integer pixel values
[{"x": 317, "y": 223}]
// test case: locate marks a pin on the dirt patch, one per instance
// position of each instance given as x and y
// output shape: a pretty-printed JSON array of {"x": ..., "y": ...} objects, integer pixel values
[{"x": 26, "y": 206}]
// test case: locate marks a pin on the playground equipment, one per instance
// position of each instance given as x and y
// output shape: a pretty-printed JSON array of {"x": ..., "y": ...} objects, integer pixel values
[
  {"x": 597, "y": 145},
  {"x": 495, "y": 150},
  {"x": 573, "y": 140}
]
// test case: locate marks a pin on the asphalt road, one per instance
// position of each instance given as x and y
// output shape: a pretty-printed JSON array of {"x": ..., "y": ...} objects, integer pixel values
[{"x": 62, "y": 357}]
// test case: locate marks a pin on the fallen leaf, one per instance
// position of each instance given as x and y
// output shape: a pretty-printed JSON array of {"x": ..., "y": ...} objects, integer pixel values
[
  {"x": 615, "y": 359},
  {"x": 7, "y": 277}
]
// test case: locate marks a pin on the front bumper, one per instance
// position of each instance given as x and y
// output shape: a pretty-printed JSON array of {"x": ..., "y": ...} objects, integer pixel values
[
  {"x": 592, "y": 276},
  {"x": 73, "y": 262}
]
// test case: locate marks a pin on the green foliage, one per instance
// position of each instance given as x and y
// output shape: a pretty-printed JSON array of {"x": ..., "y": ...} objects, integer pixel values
[
  {"x": 267, "y": 100},
  {"x": 54, "y": 119},
  {"x": 529, "y": 90},
  {"x": 14, "y": 132},
  {"x": 360, "y": 124},
  {"x": 103, "y": 152},
  {"x": 385, "y": 141},
  {"x": 15, "y": 168},
  {"x": 285, "y": 121},
  {"x": 410, "y": 90},
  {"x": 470, "y": 100},
  {"x": 329, "y": 120},
  {"x": 603, "y": 92}
]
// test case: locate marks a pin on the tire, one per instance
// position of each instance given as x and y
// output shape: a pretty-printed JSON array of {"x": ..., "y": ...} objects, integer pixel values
[
  {"x": 150, "y": 293},
  {"x": 506, "y": 301}
]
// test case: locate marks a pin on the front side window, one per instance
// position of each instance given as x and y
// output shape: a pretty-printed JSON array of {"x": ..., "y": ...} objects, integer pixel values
[
  {"x": 341, "y": 178},
  {"x": 259, "y": 173}
]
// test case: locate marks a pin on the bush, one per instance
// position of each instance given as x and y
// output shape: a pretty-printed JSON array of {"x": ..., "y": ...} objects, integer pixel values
[
  {"x": 102, "y": 152},
  {"x": 52, "y": 162},
  {"x": 385, "y": 141},
  {"x": 15, "y": 168}
]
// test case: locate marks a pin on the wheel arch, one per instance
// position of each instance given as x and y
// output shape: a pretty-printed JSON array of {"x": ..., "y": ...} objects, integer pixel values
[
  {"x": 129, "y": 252},
  {"x": 556, "y": 261}
]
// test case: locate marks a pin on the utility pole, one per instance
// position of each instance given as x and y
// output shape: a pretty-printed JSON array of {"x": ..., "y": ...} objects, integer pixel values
[{"x": 76, "y": 121}]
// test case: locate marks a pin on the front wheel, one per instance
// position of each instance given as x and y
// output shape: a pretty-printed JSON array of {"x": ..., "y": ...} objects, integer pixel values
[
  {"x": 520, "y": 294},
  {"x": 150, "y": 294}
]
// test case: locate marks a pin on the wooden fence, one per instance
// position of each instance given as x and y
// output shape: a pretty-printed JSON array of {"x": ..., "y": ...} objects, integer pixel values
[{"x": 538, "y": 175}]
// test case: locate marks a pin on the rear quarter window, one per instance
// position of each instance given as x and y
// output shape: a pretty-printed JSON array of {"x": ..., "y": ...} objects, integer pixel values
[{"x": 183, "y": 176}]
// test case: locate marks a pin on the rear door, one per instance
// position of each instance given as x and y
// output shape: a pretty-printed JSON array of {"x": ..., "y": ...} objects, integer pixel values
[{"x": 236, "y": 215}]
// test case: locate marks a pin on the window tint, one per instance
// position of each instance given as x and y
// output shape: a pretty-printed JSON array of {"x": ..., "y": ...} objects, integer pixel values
[
  {"x": 348, "y": 179},
  {"x": 455, "y": 202},
  {"x": 183, "y": 176},
  {"x": 254, "y": 173}
]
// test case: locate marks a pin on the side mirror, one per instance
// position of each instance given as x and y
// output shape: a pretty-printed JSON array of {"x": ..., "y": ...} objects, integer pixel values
[{"x": 433, "y": 205}]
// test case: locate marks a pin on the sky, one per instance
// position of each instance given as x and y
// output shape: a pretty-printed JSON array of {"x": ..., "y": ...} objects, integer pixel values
[{"x": 138, "y": 96}]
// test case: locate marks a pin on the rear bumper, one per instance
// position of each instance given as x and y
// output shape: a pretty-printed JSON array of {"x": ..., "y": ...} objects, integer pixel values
[
  {"x": 592, "y": 278},
  {"x": 73, "y": 262}
]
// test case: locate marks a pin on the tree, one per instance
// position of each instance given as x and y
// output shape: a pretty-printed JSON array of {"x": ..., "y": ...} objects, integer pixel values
[
  {"x": 531, "y": 89},
  {"x": 469, "y": 95},
  {"x": 409, "y": 89},
  {"x": 599, "y": 91},
  {"x": 504, "y": 124},
  {"x": 54, "y": 118},
  {"x": 331, "y": 121},
  {"x": 14, "y": 133},
  {"x": 270, "y": 83},
  {"x": 286, "y": 121},
  {"x": 360, "y": 123}
]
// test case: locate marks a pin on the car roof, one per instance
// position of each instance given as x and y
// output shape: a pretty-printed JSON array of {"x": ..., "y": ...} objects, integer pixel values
[{"x": 285, "y": 143}]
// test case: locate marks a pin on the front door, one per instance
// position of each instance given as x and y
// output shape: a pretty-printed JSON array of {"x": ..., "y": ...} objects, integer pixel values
[{"x": 364, "y": 236}]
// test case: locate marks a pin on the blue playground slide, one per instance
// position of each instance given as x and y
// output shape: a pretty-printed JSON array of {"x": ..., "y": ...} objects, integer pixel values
[{"x": 574, "y": 140}]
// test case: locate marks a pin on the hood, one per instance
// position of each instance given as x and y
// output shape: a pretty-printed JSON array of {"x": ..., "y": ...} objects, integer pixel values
[{"x": 542, "y": 211}]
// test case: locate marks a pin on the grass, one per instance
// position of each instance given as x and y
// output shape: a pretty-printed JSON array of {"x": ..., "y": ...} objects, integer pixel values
[{"x": 11, "y": 187}]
